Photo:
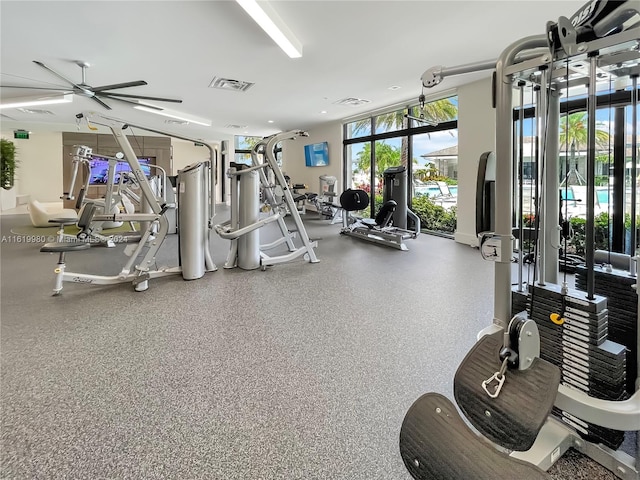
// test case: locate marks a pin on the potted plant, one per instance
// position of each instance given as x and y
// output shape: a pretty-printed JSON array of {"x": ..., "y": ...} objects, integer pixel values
[{"x": 7, "y": 163}]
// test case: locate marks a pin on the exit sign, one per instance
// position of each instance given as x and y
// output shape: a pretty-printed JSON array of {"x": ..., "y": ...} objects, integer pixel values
[{"x": 21, "y": 134}]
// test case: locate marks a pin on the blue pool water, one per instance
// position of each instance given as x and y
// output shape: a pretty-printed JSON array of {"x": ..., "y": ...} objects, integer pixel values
[
  {"x": 433, "y": 190},
  {"x": 602, "y": 195}
]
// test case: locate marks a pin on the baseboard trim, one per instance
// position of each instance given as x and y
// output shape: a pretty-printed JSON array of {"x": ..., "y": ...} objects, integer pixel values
[{"x": 466, "y": 238}]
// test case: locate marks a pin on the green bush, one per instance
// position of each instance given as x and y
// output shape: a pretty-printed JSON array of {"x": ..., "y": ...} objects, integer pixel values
[
  {"x": 579, "y": 227},
  {"x": 602, "y": 180},
  {"x": 434, "y": 217}
]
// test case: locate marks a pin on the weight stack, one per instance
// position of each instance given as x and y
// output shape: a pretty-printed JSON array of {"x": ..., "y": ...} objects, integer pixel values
[
  {"x": 580, "y": 347},
  {"x": 622, "y": 301}
]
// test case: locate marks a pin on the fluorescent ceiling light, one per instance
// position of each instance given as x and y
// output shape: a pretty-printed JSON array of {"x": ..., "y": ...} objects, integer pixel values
[
  {"x": 32, "y": 102},
  {"x": 273, "y": 25},
  {"x": 173, "y": 114}
]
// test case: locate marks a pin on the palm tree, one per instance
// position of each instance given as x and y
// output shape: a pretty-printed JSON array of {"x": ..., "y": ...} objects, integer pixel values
[
  {"x": 386, "y": 156},
  {"x": 573, "y": 130},
  {"x": 574, "y": 135},
  {"x": 439, "y": 111}
]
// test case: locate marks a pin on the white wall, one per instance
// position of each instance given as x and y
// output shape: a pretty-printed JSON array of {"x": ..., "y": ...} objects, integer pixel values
[
  {"x": 476, "y": 135},
  {"x": 39, "y": 172},
  {"x": 293, "y": 157},
  {"x": 185, "y": 153}
]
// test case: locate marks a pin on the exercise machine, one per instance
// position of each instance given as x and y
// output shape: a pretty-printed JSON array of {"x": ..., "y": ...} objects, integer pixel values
[
  {"x": 195, "y": 187},
  {"x": 120, "y": 196},
  {"x": 378, "y": 230},
  {"x": 325, "y": 201},
  {"x": 248, "y": 183},
  {"x": 389, "y": 227},
  {"x": 599, "y": 42},
  {"x": 114, "y": 201}
]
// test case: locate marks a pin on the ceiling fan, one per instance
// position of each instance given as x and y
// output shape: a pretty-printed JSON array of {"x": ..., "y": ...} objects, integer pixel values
[{"x": 98, "y": 93}]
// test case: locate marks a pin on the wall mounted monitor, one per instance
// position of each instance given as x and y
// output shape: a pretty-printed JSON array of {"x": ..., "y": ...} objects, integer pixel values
[
  {"x": 100, "y": 169},
  {"x": 316, "y": 154}
]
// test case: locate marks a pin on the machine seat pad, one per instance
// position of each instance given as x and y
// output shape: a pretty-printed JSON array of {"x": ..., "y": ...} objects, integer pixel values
[
  {"x": 513, "y": 419},
  {"x": 369, "y": 222},
  {"x": 437, "y": 444},
  {"x": 58, "y": 247}
]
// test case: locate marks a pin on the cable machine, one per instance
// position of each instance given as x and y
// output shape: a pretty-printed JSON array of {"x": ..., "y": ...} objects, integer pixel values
[{"x": 561, "y": 333}]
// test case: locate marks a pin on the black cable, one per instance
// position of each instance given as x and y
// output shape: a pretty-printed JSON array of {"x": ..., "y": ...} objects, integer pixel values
[
  {"x": 566, "y": 185},
  {"x": 608, "y": 182},
  {"x": 136, "y": 140}
]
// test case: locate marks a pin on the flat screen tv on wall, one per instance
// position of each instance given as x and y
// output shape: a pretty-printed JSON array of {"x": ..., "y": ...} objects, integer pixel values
[
  {"x": 100, "y": 169},
  {"x": 316, "y": 154}
]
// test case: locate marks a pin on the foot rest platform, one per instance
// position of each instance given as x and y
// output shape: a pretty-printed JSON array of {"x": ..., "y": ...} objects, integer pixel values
[
  {"x": 59, "y": 247},
  {"x": 64, "y": 220},
  {"x": 437, "y": 444},
  {"x": 513, "y": 419}
]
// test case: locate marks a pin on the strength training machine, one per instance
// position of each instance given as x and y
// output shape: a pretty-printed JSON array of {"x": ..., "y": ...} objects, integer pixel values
[
  {"x": 547, "y": 350},
  {"x": 389, "y": 227},
  {"x": 263, "y": 176},
  {"x": 196, "y": 210}
]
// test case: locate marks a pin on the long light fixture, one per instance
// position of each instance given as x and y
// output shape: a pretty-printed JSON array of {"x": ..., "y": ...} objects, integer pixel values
[
  {"x": 185, "y": 117},
  {"x": 273, "y": 25},
  {"x": 33, "y": 102}
]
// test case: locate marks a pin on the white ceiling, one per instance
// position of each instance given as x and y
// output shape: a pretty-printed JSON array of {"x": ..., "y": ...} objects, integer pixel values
[{"x": 350, "y": 49}]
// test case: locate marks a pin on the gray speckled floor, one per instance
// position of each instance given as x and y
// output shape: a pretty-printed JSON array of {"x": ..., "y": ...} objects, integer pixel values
[{"x": 304, "y": 371}]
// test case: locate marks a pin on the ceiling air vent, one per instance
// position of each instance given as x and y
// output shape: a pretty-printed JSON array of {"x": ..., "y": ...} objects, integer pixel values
[
  {"x": 352, "y": 102},
  {"x": 230, "y": 84},
  {"x": 231, "y": 125},
  {"x": 35, "y": 111},
  {"x": 176, "y": 122}
]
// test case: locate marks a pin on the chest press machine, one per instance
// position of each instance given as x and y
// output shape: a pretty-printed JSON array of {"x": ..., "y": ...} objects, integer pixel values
[
  {"x": 197, "y": 208},
  {"x": 503, "y": 387}
]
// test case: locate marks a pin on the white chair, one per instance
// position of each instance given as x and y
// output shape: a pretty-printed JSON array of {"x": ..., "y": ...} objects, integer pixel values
[{"x": 41, "y": 215}]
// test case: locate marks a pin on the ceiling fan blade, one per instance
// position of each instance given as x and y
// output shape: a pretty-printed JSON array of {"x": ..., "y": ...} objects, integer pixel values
[
  {"x": 38, "y": 88},
  {"x": 101, "y": 102},
  {"x": 110, "y": 97},
  {"x": 141, "y": 97},
  {"x": 58, "y": 75},
  {"x": 137, "y": 83}
]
